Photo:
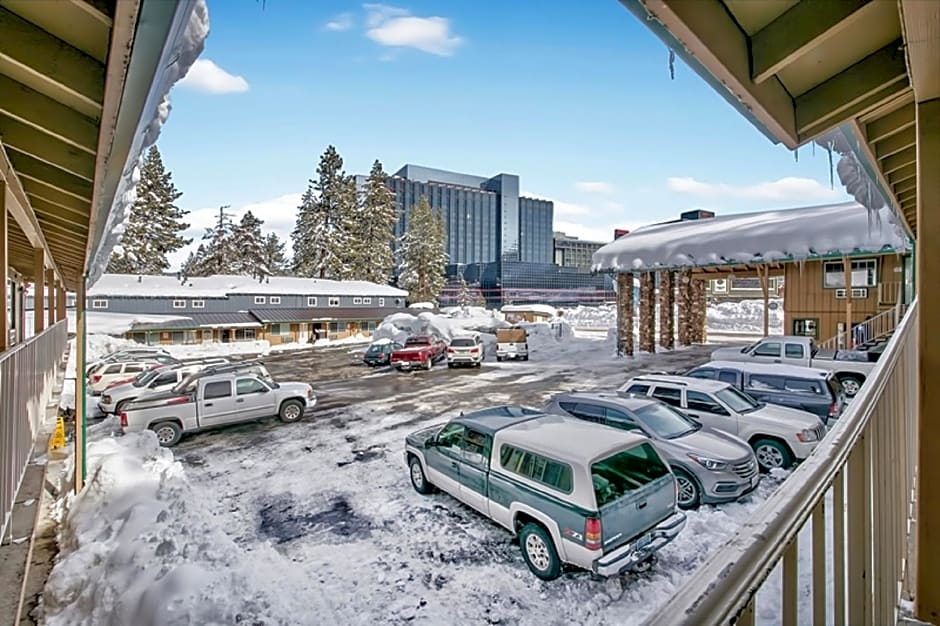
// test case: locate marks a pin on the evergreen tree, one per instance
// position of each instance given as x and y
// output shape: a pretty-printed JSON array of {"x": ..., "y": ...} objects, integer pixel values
[
  {"x": 322, "y": 236},
  {"x": 464, "y": 297},
  {"x": 374, "y": 229},
  {"x": 153, "y": 228},
  {"x": 423, "y": 254},
  {"x": 274, "y": 255},
  {"x": 217, "y": 254},
  {"x": 249, "y": 244}
]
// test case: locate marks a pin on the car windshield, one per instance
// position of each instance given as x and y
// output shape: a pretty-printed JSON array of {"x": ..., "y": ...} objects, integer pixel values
[
  {"x": 463, "y": 342},
  {"x": 752, "y": 346},
  {"x": 145, "y": 377},
  {"x": 665, "y": 421},
  {"x": 737, "y": 401}
]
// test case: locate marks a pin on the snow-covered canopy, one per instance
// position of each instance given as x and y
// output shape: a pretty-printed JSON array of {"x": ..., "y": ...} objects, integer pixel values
[
  {"x": 781, "y": 235},
  {"x": 538, "y": 309},
  {"x": 220, "y": 286}
]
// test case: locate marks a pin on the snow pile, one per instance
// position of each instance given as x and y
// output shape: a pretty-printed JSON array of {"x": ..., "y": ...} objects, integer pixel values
[
  {"x": 399, "y": 326},
  {"x": 538, "y": 309},
  {"x": 139, "y": 546},
  {"x": 430, "y": 306},
  {"x": 746, "y": 316},
  {"x": 601, "y": 316}
]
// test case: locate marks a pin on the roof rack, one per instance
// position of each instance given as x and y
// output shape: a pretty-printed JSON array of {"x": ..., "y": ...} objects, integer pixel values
[{"x": 225, "y": 368}]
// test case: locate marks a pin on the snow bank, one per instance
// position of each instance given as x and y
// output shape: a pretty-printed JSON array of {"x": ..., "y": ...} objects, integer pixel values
[
  {"x": 746, "y": 316},
  {"x": 138, "y": 546},
  {"x": 399, "y": 326},
  {"x": 541, "y": 309},
  {"x": 422, "y": 305}
]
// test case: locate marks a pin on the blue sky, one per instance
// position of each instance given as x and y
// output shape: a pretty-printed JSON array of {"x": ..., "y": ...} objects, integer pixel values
[{"x": 576, "y": 98}]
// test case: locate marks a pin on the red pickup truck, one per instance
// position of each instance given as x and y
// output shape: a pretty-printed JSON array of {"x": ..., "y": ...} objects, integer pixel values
[{"x": 419, "y": 351}]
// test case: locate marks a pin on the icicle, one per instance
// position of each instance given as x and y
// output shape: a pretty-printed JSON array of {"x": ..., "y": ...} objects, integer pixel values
[
  {"x": 802, "y": 265},
  {"x": 814, "y": 148},
  {"x": 672, "y": 64},
  {"x": 796, "y": 154},
  {"x": 829, "y": 150}
]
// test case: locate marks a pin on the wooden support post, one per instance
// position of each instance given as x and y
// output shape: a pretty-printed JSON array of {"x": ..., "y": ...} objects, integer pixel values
[
  {"x": 60, "y": 304},
  {"x": 647, "y": 308},
  {"x": 4, "y": 268},
  {"x": 50, "y": 297},
  {"x": 849, "y": 335},
  {"x": 667, "y": 337},
  {"x": 79, "y": 477},
  {"x": 763, "y": 274},
  {"x": 21, "y": 311},
  {"x": 684, "y": 294},
  {"x": 927, "y": 258},
  {"x": 625, "y": 314},
  {"x": 39, "y": 288}
]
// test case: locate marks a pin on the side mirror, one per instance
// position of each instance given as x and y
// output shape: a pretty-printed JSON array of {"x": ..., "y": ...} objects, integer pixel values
[{"x": 430, "y": 443}]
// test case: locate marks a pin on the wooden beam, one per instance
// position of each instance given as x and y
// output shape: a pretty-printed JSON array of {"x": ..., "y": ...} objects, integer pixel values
[
  {"x": 920, "y": 22},
  {"x": 63, "y": 203},
  {"x": 4, "y": 267},
  {"x": 896, "y": 143},
  {"x": 39, "y": 288},
  {"x": 882, "y": 74},
  {"x": 906, "y": 172},
  {"x": 907, "y": 197},
  {"x": 884, "y": 181},
  {"x": 894, "y": 122},
  {"x": 29, "y": 168},
  {"x": 46, "y": 148},
  {"x": 60, "y": 301},
  {"x": 797, "y": 31},
  {"x": 48, "y": 116},
  {"x": 765, "y": 292},
  {"x": 907, "y": 185},
  {"x": 49, "y": 65},
  {"x": 895, "y": 162}
]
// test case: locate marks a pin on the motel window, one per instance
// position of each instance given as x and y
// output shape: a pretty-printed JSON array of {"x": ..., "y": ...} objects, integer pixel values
[
  {"x": 357, "y": 300},
  {"x": 179, "y": 304},
  {"x": 334, "y": 301},
  {"x": 198, "y": 304},
  {"x": 381, "y": 301},
  {"x": 367, "y": 300},
  {"x": 311, "y": 301},
  {"x": 280, "y": 329},
  {"x": 99, "y": 304},
  {"x": 807, "y": 327},
  {"x": 259, "y": 300},
  {"x": 275, "y": 299},
  {"x": 864, "y": 274},
  {"x": 244, "y": 334}
]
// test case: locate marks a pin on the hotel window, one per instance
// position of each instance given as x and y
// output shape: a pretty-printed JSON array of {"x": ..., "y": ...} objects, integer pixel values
[
  {"x": 367, "y": 300},
  {"x": 357, "y": 300},
  {"x": 179, "y": 304},
  {"x": 198, "y": 304},
  {"x": 334, "y": 301},
  {"x": 275, "y": 299},
  {"x": 381, "y": 301},
  {"x": 259, "y": 300},
  {"x": 99, "y": 304},
  {"x": 311, "y": 301},
  {"x": 864, "y": 274}
]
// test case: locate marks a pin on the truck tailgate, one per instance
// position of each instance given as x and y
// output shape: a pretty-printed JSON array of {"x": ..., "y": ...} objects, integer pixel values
[{"x": 637, "y": 512}]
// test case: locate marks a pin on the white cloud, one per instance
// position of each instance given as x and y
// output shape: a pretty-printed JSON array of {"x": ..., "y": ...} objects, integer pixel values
[
  {"x": 593, "y": 233},
  {"x": 594, "y": 187},
  {"x": 395, "y": 27},
  {"x": 206, "y": 76},
  {"x": 789, "y": 188},
  {"x": 343, "y": 21},
  {"x": 570, "y": 209}
]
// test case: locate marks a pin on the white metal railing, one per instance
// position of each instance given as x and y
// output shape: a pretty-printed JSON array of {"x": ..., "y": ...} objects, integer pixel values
[
  {"x": 867, "y": 465},
  {"x": 878, "y": 327},
  {"x": 27, "y": 376}
]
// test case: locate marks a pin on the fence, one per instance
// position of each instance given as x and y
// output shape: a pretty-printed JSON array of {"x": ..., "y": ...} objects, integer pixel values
[
  {"x": 867, "y": 332},
  {"x": 867, "y": 465},
  {"x": 27, "y": 375}
]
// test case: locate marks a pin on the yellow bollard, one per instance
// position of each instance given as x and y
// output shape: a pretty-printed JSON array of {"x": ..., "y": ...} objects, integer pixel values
[{"x": 58, "y": 437}]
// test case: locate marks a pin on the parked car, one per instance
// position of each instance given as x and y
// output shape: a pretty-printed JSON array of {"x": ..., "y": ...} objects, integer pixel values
[
  {"x": 850, "y": 369},
  {"x": 380, "y": 352},
  {"x": 466, "y": 350},
  {"x": 711, "y": 466},
  {"x": 573, "y": 492},
  {"x": 779, "y": 435},
  {"x": 142, "y": 353},
  {"x": 419, "y": 351},
  {"x": 216, "y": 396},
  {"x": 809, "y": 389},
  {"x": 119, "y": 394},
  {"x": 512, "y": 343},
  {"x": 108, "y": 373}
]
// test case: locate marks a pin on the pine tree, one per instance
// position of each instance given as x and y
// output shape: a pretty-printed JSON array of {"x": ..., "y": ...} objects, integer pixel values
[
  {"x": 423, "y": 254},
  {"x": 274, "y": 255},
  {"x": 153, "y": 228},
  {"x": 464, "y": 297},
  {"x": 325, "y": 218},
  {"x": 374, "y": 229},
  {"x": 249, "y": 244},
  {"x": 217, "y": 254}
]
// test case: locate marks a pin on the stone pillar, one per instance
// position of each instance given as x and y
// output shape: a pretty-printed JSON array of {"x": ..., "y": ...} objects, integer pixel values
[
  {"x": 667, "y": 301},
  {"x": 684, "y": 294},
  {"x": 647, "y": 312},
  {"x": 625, "y": 314},
  {"x": 699, "y": 306}
]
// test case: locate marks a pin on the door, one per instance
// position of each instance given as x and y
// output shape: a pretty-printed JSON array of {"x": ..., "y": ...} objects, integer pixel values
[
  {"x": 254, "y": 399},
  {"x": 767, "y": 352},
  {"x": 218, "y": 404},
  {"x": 473, "y": 468},
  {"x": 705, "y": 409},
  {"x": 442, "y": 459}
]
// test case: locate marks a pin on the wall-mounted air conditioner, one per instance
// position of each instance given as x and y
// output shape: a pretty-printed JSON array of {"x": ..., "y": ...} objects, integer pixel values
[
  {"x": 840, "y": 294},
  {"x": 859, "y": 292}
]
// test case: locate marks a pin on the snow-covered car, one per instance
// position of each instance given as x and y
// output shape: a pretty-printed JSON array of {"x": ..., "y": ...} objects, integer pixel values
[
  {"x": 466, "y": 350},
  {"x": 380, "y": 352},
  {"x": 117, "y": 395},
  {"x": 216, "y": 396},
  {"x": 142, "y": 353},
  {"x": 779, "y": 435},
  {"x": 573, "y": 492},
  {"x": 123, "y": 371}
]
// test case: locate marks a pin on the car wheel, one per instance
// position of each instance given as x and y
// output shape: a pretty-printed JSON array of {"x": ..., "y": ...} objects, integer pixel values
[
  {"x": 168, "y": 433},
  {"x": 539, "y": 553},
  {"x": 499, "y": 358},
  {"x": 851, "y": 385},
  {"x": 291, "y": 411},
  {"x": 428, "y": 364},
  {"x": 450, "y": 365},
  {"x": 772, "y": 455},
  {"x": 689, "y": 495},
  {"x": 418, "y": 479}
]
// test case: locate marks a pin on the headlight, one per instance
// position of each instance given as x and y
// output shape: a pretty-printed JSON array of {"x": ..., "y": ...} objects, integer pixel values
[
  {"x": 106, "y": 400},
  {"x": 710, "y": 464},
  {"x": 807, "y": 435}
]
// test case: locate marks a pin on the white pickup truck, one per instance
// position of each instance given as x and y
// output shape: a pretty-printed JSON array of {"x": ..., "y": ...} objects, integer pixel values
[
  {"x": 851, "y": 368},
  {"x": 218, "y": 398}
]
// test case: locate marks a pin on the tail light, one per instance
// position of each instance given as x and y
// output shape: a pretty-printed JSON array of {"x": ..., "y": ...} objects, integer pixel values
[
  {"x": 310, "y": 392},
  {"x": 833, "y": 409},
  {"x": 592, "y": 533},
  {"x": 123, "y": 420},
  {"x": 474, "y": 350},
  {"x": 96, "y": 378}
]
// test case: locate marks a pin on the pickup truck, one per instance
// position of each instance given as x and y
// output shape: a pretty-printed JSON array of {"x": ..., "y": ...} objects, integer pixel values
[
  {"x": 849, "y": 367},
  {"x": 419, "y": 351},
  {"x": 202, "y": 402},
  {"x": 604, "y": 501}
]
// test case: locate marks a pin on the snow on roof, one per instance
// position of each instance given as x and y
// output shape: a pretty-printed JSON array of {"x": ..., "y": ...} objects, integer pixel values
[
  {"x": 222, "y": 285},
  {"x": 780, "y": 235},
  {"x": 544, "y": 309}
]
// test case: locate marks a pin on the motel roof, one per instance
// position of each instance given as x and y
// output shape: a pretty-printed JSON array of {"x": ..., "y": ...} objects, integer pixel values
[{"x": 223, "y": 285}]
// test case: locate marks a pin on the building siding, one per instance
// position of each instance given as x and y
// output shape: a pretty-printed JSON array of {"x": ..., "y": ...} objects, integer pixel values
[{"x": 163, "y": 305}]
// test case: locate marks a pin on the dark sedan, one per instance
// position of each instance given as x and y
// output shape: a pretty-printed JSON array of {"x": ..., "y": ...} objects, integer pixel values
[{"x": 380, "y": 352}]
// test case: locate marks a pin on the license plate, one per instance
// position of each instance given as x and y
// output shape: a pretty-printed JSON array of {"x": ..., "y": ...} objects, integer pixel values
[
  {"x": 755, "y": 479},
  {"x": 644, "y": 541}
]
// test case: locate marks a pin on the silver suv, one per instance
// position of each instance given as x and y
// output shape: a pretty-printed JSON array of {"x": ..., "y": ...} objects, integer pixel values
[
  {"x": 711, "y": 466},
  {"x": 779, "y": 435}
]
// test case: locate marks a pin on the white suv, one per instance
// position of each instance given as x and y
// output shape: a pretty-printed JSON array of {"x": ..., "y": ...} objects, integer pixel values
[
  {"x": 465, "y": 350},
  {"x": 779, "y": 435}
]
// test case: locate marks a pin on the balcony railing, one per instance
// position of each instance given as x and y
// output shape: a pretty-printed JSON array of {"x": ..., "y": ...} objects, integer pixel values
[
  {"x": 852, "y": 498},
  {"x": 868, "y": 332},
  {"x": 27, "y": 375}
]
